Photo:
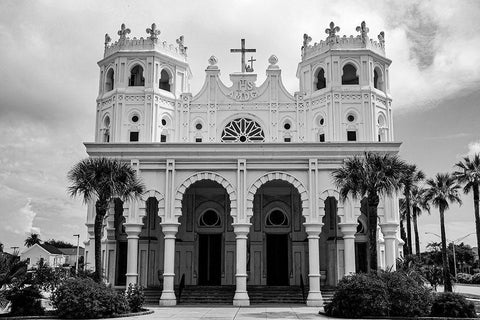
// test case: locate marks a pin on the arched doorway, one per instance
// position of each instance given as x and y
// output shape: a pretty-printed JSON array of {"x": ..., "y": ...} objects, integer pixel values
[
  {"x": 278, "y": 248},
  {"x": 205, "y": 244}
]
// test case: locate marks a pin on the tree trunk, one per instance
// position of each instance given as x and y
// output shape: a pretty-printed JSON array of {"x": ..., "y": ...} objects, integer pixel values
[
  {"x": 373, "y": 201},
  {"x": 447, "y": 282},
  {"x": 409, "y": 223},
  {"x": 477, "y": 213},
  {"x": 415, "y": 229},
  {"x": 100, "y": 211}
]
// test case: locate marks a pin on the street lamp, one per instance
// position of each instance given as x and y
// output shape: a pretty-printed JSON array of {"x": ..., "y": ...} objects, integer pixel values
[
  {"x": 78, "y": 247},
  {"x": 453, "y": 246}
]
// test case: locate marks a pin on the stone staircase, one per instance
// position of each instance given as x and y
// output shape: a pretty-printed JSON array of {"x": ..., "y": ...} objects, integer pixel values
[{"x": 223, "y": 295}]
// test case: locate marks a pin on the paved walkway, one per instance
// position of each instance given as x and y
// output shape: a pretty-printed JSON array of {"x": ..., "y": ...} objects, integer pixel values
[{"x": 237, "y": 313}]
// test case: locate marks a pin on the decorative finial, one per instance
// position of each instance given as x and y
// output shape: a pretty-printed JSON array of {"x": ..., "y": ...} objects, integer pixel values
[
  {"x": 213, "y": 61},
  {"x": 123, "y": 33},
  {"x": 273, "y": 60},
  {"x": 249, "y": 68},
  {"x": 153, "y": 32},
  {"x": 182, "y": 48},
  {"x": 306, "y": 41},
  {"x": 381, "y": 39},
  {"x": 332, "y": 36},
  {"x": 107, "y": 40},
  {"x": 363, "y": 29}
]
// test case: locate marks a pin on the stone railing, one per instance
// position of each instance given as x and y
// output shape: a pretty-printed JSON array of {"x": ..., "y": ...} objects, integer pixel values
[
  {"x": 343, "y": 43},
  {"x": 145, "y": 44}
]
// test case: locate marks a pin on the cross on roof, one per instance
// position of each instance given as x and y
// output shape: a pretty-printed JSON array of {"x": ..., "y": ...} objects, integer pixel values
[{"x": 243, "y": 50}]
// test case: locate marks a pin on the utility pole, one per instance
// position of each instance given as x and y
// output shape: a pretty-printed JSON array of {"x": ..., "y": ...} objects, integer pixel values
[{"x": 78, "y": 247}]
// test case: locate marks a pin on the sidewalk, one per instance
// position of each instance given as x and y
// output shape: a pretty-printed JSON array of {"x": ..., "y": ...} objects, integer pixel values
[
  {"x": 238, "y": 313},
  {"x": 462, "y": 288}
]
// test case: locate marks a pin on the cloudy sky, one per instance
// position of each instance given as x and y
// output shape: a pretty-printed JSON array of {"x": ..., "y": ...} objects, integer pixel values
[{"x": 49, "y": 51}]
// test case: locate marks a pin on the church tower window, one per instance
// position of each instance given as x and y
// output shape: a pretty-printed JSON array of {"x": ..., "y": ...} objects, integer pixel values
[
  {"x": 106, "y": 129},
  {"x": 164, "y": 82},
  {"x": 322, "y": 137},
  {"x": 163, "y": 138},
  {"x": 136, "y": 77},
  {"x": 243, "y": 130},
  {"x": 349, "y": 76},
  {"x": 351, "y": 135},
  {"x": 110, "y": 80},
  {"x": 320, "y": 80},
  {"x": 378, "y": 79},
  {"x": 133, "y": 136}
]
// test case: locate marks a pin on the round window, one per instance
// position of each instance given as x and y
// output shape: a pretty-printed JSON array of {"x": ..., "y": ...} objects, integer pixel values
[
  {"x": 135, "y": 118},
  {"x": 210, "y": 219},
  {"x": 164, "y": 122},
  {"x": 287, "y": 126},
  {"x": 198, "y": 126},
  {"x": 277, "y": 218},
  {"x": 351, "y": 118},
  {"x": 321, "y": 121}
]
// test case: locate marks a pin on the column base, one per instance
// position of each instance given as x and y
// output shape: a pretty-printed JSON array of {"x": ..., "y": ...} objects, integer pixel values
[
  {"x": 241, "y": 299},
  {"x": 168, "y": 299},
  {"x": 315, "y": 299}
]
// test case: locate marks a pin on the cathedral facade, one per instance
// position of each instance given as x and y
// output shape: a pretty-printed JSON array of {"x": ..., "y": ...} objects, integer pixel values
[{"x": 238, "y": 176}]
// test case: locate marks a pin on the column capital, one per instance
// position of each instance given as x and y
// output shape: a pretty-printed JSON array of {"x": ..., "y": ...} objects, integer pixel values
[
  {"x": 169, "y": 228},
  {"x": 348, "y": 229},
  {"x": 133, "y": 229},
  {"x": 241, "y": 228},
  {"x": 313, "y": 228},
  {"x": 389, "y": 230}
]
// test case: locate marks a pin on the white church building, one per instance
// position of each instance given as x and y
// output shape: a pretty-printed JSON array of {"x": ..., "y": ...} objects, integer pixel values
[{"x": 238, "y": 175}]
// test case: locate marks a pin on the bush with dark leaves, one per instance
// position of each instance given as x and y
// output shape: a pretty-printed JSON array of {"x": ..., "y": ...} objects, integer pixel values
[
  {"x": 25, "y": 301},
  {"x": 135, "y": 297},
  {"x": 454, "y": 305}
]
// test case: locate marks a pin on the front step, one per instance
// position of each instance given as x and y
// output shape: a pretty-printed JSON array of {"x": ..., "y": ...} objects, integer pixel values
[{"x": 194, "y": 295}]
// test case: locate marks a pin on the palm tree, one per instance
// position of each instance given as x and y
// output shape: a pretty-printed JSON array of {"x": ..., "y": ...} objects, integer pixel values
[
  {"x": 410, "y": 177},
  {"x": 32, "y": 239},
  {"x": 371, "y": 176},
  {"x": 418, "y": 203},
  {"x": 102, "y": 179},
  {"x": 441, "y": 191},
  {"x": 469, "y": 176}
]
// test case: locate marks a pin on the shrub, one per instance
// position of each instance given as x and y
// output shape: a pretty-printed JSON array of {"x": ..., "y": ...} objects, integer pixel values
[
  {"x": 25, "y": 301},
  {"x": 433, "y": 274},
  {"x": 84, "y": 298},
  {"x": 359, "y": 295},
  {"x": 464, "y": 278},
  {"x": 135, "y": 297},
  {"x": 476, "y": 278},
  {"x": 454, "y": 305},
  {"x": 407, "y": 295}
]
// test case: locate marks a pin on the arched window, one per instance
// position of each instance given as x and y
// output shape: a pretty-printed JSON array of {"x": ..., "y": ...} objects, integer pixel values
[
  {"x": 136, "y": 77},
  {"x": 106, "y": 129},
  {"x": 382, "y": 130},
  {"x": 320, "y": 79},
  {"x": 243, "y": 130},
  {"x": 110, "y": 80},
  {"x": 349, "y": 75},
  {"x": 164, "y": 81},
  {"x": 378, "y": 79}
]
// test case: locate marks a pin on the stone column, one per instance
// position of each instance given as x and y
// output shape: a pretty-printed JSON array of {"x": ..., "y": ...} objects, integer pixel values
[
  {"x": 314, "y": 295},
  {"x": 169, "y": 230},
  {"x": 349, "y": 230},
  {"x": 241, "y": 295},
  {"x": 132, "y": 230},
  {"x": 389, "y": 231}
]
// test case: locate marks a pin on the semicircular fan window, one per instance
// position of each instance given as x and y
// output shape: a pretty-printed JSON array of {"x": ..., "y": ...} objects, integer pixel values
[{"x": 243, "y": 130}]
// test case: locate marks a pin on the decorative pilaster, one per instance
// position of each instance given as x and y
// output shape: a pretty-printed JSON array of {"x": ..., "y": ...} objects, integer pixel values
[
  {"x": 314, "y": 298},
  {"x": 169, "y": 230},
  {"x": 348, "y": 231},
  {"x": 241, "y": 295},
  {"x": 389, "y": 231},
  {"x": 132, "y": 230}
]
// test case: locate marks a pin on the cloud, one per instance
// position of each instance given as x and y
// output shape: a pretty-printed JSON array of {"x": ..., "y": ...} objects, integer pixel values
[
  {"x": 21, "y": 222},
  {"x": 473, "y": 148}
]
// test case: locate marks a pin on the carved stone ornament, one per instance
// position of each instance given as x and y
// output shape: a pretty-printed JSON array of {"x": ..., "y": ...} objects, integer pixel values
[
  {"x": 123, "y": 32},
  {"x": 273, "y": 60},
  {"x": 363, "y": 29},
  {"x": 107, "y": 39},
  {"x": 381, "y": 38},
  {"x": 332, "y": 33},
  {"x": 213, "y": 61},
  {"x": 181, "y": 47},
  {"x": 153, "y": 32}
]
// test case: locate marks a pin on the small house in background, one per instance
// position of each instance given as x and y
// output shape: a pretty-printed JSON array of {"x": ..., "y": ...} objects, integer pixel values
[
  {"x": 71, "y": 255},
  {"x": 51, "y": 255}
]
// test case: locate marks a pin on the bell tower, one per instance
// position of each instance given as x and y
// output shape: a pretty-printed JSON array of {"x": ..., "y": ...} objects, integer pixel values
[
  {"x": 141, "y": 81},
  {"x": 345, "y": 81}
]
